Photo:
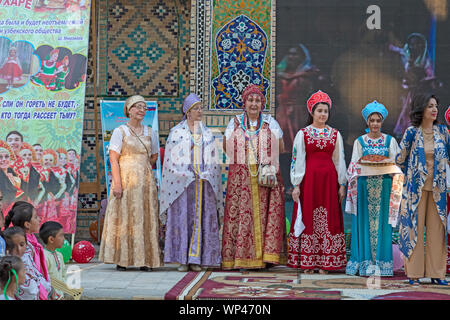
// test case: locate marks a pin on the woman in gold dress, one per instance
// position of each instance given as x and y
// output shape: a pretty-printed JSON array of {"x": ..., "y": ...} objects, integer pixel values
[{"x": 131, "y": 227}]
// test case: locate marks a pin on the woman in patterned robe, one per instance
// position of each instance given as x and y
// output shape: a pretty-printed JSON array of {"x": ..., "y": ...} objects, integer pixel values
[
  {"x": 254, "y": 228},
  {"x": 423, "y": 157},
  {"x": 191, "y": 192}
]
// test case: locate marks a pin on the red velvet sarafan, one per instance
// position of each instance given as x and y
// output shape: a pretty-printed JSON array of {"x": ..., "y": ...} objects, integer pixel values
[{"x": 322, "y": 243}]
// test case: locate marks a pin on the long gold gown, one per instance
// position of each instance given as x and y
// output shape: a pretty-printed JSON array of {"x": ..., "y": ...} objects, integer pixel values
[{"x": 131, "y": 227}]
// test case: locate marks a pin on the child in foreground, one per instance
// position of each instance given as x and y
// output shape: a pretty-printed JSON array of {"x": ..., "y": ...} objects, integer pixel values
[
  {"x": 52, "y": 234},
  {"x": 12, "y": 275},
  {"x": 37, "y": 285}
]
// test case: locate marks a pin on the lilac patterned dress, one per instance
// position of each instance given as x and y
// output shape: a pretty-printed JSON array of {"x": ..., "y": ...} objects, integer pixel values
[{"x": 191, "y": 194}]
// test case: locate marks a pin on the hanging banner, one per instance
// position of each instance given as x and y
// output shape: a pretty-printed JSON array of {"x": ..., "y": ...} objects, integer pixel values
[
  {"x": 43, "y": 60},
  {"x": 112, "y": 117}
]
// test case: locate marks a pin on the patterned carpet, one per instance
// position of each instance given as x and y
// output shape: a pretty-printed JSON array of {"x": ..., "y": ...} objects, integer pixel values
[{"x": 282, "y": 283}]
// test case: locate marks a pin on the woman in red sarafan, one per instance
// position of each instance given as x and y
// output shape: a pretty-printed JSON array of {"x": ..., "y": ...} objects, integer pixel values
[{"x": 318, "y": 173}]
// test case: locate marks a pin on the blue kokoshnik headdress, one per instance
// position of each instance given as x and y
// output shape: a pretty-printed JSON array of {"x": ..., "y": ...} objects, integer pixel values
[{"x": 373, "y": 107}]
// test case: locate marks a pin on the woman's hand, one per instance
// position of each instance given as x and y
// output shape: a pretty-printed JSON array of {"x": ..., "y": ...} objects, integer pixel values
[
  {"x": 117, "y": 191},
  {"x": 296, "y": 194},
  {"x": 341, "y": 193}
]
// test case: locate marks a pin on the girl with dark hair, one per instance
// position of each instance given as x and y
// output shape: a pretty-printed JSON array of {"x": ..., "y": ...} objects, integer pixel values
[
  {"x": 23, "y": 215},
  {"x": 424, "y": 154},
  {"x": 12, "y": 275},
  {"x": 16, "y": 241},
  {"x": 316, "y": 238}
]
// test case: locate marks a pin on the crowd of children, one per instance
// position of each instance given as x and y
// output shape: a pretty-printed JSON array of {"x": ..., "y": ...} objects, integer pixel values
[{"x": 27, "y": 268}]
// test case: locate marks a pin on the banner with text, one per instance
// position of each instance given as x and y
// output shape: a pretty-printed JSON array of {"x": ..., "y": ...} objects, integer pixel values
[
  {"x": 113, "y": 117},
  {"x": 43, "y": 60}
]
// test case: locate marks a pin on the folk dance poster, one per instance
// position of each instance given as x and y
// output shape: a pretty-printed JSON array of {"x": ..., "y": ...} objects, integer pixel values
[{"x": 43, "y": 60}]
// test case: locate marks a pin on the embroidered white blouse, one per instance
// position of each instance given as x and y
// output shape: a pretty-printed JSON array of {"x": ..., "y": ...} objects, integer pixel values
[
  {"x": 116, "y": 138},
  {"x": 358, "y": 152},
  {"x": 298, "y": 165}
]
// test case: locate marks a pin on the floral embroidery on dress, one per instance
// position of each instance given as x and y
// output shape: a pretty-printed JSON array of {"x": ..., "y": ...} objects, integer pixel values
[
  {"x": 320, "y": 136},
  {"x": 322, "y": 248},
  {"x": 294, "y": 158},
  {"x": 374, "y": 201}
]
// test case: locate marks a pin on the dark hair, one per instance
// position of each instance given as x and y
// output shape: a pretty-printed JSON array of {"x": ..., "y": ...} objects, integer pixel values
[
  {"x": 49, "y": 229},
  {"x": 9, "y": 233},
  {"x": 20, "y": 213},
  {"x": 8, "y": 263},
  {"x": 310, "y": 117},
  {"x": 73, "y": 151},
  {"x": 37, "y": 144},
  {"x": 16, "y": 133},
  {"x": 418, "y": 105}
]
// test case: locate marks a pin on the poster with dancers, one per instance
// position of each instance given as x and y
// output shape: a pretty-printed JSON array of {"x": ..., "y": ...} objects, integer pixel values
[{"x": 43, "y": 61}]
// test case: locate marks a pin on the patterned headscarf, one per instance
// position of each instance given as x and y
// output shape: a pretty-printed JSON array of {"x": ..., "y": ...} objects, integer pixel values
[
  {"x": 190, "y": 101},
  {"x": 373, "y": 107},
  {"x": 318, "y": 97},
  {"x": 252, "y": 89},
  {"x": 130, "y": 102}
]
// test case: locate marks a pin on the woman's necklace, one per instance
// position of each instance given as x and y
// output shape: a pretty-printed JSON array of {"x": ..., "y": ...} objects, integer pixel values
[
  {"x": 196, "y": 138},
  {"x": 135, "y": 131},
  {"x": 251, "y": 133},
  {"x": 254, "y": 156}
]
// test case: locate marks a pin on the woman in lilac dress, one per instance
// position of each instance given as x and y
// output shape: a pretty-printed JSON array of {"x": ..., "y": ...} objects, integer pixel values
[{"x": 191, "y": 192}]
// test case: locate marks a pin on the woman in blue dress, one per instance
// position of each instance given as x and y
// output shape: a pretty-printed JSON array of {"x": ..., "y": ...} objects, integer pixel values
[{"x": 370, "y": 175}]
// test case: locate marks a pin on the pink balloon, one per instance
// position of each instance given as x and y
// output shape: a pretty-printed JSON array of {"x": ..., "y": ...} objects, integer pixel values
[{"x": 397, "y": 257}]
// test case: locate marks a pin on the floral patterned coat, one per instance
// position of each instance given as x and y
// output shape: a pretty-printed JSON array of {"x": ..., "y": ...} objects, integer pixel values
[{"x": 411, "y": 159}]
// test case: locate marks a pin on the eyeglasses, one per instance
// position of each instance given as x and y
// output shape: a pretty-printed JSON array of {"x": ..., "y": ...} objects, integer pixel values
[
  {"x": 143, "y": 108},
  {"x": 197, "y": 109}
]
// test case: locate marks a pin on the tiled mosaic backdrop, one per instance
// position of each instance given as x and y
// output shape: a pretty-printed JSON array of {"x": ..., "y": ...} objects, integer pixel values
[{"x": 142, "y": 47}]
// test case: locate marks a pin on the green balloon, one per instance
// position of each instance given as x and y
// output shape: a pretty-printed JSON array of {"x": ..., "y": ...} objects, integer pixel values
[
  {"x": 66, "y": 251},
  {"x": 288, "y": 226}
]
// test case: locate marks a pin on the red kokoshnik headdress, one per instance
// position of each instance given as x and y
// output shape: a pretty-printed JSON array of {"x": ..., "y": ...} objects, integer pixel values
[{"x": 318, "y": 97}]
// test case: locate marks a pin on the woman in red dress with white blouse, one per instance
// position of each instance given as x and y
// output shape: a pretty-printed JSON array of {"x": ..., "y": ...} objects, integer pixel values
[{"x": 318, "y": 173}]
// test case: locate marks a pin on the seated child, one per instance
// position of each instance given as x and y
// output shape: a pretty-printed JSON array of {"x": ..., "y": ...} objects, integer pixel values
[
  {"x": 52, "y": 234},
  {"x": 12, "y": 275},
  {"x": 23, "y": 214},
  {"x": 16, "y": 245}
]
